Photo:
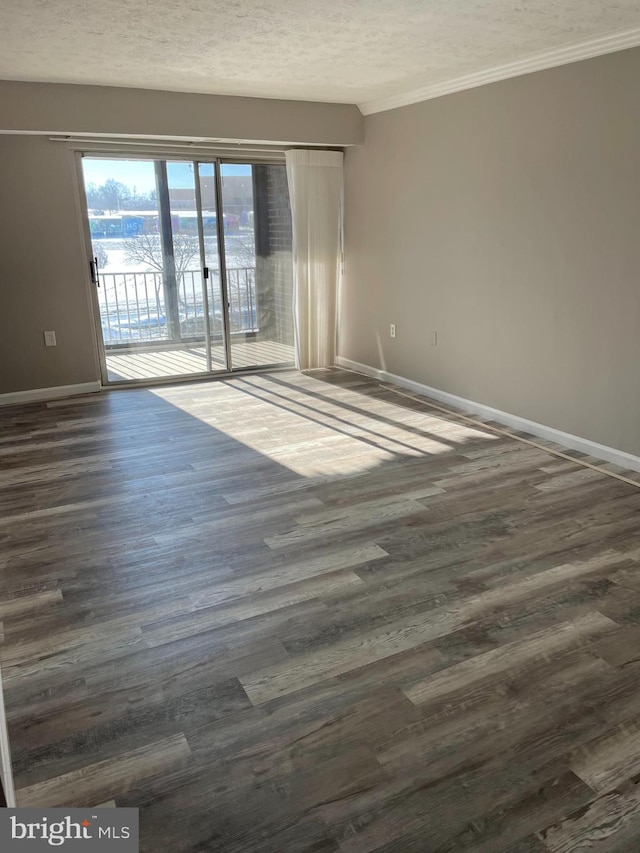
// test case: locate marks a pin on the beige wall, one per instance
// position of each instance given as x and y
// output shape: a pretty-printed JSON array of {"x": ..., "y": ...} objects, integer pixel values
[
  {"x": 62, "y": 108},
  {"x": 43, "y": 273},
  {"x": 507, "y": 219},
  {"x": 43, "y": 259}
]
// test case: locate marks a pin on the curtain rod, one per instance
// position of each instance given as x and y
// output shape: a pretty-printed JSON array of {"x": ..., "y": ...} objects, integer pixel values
[{"x": 187, "y": 145}]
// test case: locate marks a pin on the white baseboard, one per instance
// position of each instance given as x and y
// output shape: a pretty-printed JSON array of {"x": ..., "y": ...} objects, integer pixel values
[
  {"x": 35, "y": 395},
  {"x": 574, "y": 442}
]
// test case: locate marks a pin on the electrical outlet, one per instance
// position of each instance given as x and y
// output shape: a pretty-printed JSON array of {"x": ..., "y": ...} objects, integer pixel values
[
  {"x": 392, "y": 330},
  {"x": 49, "y": 339}
]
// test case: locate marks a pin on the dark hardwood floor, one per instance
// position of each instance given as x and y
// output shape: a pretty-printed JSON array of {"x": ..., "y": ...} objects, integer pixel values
[{"x": 287, "y": 613}]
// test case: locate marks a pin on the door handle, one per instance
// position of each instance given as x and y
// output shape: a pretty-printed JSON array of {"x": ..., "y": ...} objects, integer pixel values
[{"x": 93, "y": 266}]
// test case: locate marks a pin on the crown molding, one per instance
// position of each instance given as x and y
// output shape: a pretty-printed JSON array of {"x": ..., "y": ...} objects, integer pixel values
[{"x": 534, "y": 62}]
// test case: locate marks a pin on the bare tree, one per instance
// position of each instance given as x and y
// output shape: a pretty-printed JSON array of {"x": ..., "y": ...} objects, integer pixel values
[
  {"x": 114, "y": 196},
  {"x": 147, "y": 249},
  {"x": 244, "y": 249}
]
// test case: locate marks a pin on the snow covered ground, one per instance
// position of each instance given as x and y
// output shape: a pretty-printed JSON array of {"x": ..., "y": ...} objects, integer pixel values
[
  {"x": 238, "y": 252},
  {"x": 131, "y": 295}
]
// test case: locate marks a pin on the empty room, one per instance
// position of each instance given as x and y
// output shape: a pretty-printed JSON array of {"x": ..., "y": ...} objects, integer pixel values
[{"x": 320, "y": 426}]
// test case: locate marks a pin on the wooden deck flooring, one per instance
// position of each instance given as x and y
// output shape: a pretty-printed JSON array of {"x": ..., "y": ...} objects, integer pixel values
[
  {"x": 285, "y": 613},
  {"x": 139, "y": 365}
]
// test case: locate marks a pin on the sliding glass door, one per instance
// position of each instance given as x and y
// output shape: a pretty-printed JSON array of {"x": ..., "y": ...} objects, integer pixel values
[
  {"x": 191, "y": 266},
  {"x": 258, "y": 263}
]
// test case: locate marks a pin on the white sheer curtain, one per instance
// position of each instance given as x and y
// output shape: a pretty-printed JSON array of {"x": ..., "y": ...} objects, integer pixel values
[{"x": 315, "y": 190}]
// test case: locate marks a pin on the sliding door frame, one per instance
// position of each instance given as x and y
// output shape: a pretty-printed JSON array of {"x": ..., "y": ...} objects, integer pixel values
[
  {"x": 92, "y": 276},
  {"x": 151, "y": 154},
  {"x": 205, "y": 275},
  {"x": 222, "y": 261}
]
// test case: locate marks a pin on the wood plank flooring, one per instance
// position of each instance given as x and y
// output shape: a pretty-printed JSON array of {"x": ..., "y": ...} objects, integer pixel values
[
  {"x": 140, "y": 364},
  {"x": 285, "y": 613}
]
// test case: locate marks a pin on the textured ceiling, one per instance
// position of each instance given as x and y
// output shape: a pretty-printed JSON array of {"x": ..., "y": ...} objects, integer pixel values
[{"x": 352, "y": 51}]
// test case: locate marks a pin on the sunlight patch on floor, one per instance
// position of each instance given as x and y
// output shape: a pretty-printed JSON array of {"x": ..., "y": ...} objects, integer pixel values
[{"x": 356, "y": 433}]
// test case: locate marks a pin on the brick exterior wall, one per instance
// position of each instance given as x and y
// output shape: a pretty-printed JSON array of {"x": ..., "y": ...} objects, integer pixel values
[{"x": 274, "y": 259}]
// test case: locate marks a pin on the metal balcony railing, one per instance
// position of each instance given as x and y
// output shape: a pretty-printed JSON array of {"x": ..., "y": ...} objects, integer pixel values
[{"x": 132, "y": 305}]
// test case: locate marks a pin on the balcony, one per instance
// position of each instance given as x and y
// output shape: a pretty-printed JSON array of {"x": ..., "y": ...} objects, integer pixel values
[{"x": 141, "y": 342}]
